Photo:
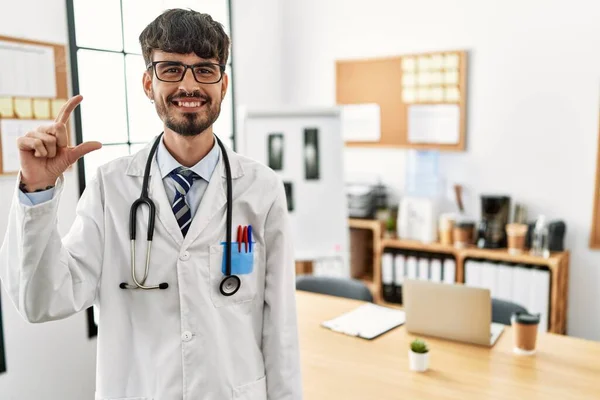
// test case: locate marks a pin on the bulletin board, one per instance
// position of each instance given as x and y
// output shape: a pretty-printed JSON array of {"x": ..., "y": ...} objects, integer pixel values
[
  {"x": 422, "y": 98},
  {"x": 33, "y": 88}
]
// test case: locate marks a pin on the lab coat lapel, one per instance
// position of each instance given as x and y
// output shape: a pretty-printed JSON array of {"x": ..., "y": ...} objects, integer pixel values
[
  {"x": 156, "y": 192},
  {"x": 164, "y": 212},
  {"x": 213, "y": 201}
]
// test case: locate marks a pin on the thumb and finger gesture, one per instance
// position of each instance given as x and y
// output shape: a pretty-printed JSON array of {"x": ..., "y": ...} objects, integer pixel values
[
  {"x": 48, "y": 142},
  {"x": 73, "y": 153},
  {"x": 45, "y": 153}
]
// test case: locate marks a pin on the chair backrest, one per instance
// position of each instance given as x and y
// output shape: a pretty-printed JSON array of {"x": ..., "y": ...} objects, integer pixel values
[
  {"x": 502, "y": 311},
  {"x": 340, "y": 287}
]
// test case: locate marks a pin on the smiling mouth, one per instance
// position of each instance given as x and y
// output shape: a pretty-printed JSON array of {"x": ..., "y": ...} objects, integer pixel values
[{"x": 189, "y": 105}]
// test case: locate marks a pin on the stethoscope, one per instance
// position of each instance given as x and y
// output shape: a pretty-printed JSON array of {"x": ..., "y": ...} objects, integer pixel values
[{"x": 230, "y": 283}]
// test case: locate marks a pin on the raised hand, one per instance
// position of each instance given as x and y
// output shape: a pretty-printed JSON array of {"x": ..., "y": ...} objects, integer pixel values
[{"x": 44, "y": 152}]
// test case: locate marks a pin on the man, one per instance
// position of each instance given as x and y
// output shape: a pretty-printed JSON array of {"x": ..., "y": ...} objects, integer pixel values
[{"x": 187, "y": 339}]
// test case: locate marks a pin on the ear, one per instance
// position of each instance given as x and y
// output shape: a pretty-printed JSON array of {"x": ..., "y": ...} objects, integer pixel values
[
  {"x": 224, "y": 85},
  {"x": 147, "y": 84}
]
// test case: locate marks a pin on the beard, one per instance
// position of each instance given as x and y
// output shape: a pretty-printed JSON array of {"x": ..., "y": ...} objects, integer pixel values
[{"x": 188, "y": 124}]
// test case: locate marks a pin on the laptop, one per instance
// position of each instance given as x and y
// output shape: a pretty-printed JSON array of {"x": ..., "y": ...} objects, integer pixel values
[{"x": 454, "y": 312}]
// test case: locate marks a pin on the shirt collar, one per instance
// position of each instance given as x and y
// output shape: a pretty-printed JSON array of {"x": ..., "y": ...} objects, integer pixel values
[{"x": 204, "y": 168}]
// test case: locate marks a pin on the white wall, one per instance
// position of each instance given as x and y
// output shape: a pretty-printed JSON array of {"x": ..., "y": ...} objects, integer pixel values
[
  {"x": 534, "y": 85},
  {"x": 258, "y": 52},
  {"x": 53, "y": 360}
]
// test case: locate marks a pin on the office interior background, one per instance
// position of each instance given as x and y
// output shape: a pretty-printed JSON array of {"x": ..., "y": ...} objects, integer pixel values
[{"x": 532, "y": 124}]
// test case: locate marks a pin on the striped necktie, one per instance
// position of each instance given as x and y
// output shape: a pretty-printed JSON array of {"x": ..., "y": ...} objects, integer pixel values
[{"x": 183, "y": 179}]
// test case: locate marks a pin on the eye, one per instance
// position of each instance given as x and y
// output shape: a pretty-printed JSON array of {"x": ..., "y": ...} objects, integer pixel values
[{"x": 205, "y": 70}]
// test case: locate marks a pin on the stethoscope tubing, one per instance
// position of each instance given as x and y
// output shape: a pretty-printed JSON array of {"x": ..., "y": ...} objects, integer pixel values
[{"x": 144, "y": 199}]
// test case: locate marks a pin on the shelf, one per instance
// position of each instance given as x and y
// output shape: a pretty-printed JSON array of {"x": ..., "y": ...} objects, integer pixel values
[
  {"x": 357, "y": 223},
  {"x": 418, "y": 246},
  {"x": 474, "y": 252},
  {"x": 557, "y": 264}
]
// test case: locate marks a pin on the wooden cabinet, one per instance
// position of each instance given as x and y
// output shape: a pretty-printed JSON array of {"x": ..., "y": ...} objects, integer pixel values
[
  {"x": 373, "y": 245},
  {"x": 365, "y": 253}
]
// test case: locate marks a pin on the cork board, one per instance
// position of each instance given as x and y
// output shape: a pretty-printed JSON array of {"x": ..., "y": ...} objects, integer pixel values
[
  {"x": 21, "y": 110},
  {"x": 398, "y": 83}
]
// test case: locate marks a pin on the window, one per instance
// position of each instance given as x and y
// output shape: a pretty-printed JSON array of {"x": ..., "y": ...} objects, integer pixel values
[{"x": 107, "y": 67}]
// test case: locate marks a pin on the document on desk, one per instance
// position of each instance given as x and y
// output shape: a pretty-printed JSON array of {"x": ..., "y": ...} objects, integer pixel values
[{"x": 367, "y": 321}]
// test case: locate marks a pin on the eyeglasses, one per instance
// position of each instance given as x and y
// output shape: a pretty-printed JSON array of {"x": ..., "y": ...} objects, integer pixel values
[{"x": 174, "y": 71}]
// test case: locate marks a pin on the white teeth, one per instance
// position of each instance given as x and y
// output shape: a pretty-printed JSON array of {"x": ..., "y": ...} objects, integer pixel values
[{"x": 188, "y": 104}]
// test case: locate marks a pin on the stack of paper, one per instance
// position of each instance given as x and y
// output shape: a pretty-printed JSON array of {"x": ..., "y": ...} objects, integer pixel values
[{"x": 367, "y": 321}]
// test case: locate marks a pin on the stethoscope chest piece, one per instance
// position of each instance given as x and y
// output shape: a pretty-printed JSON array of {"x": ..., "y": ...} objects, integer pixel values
[{"x": 229, "y": 285}]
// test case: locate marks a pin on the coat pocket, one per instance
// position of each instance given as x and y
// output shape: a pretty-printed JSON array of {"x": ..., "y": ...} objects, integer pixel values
[
  {"x": 247, "y": 270},
  {"x": 256, "y": 390},
  {"x": 122, "y": 398}
]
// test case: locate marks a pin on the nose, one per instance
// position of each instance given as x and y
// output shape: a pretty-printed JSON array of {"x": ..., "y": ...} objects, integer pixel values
[{"x": 188, "y": 83}]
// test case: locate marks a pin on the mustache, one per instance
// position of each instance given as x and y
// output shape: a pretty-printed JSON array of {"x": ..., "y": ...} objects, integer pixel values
[{"x": 196, "y": 94}]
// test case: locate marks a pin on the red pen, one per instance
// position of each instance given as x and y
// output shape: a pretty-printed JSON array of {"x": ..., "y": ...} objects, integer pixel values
[
  {"x": 246, "y": 238},
  {"x": 239, "y": 238}
]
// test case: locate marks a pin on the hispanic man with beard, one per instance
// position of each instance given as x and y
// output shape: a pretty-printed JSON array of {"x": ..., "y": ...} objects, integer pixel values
[{"x": 174, "y": 322}]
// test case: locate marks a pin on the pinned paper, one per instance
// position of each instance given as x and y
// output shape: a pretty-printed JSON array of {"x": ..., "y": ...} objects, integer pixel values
[
  {"x": 28, "y": 70},
  {"x": 56, "y": 106},
  {"x": 434, "y": 124},
  {"x": 409, "y": 95},
  {"x": 408, "y": 64},
  {"x": 424, "y": 94},
  {"x": 437, "y": 61},
  {"x": 424, "y": 63},
  {"x": 23, "y": 108},
  {"x": 451, "y": 77},
  {"x": 41, "y": 108},
  {"x": 452, "y": 61},
  {"x": 436, "y": 78},
  {"x": 424, "y": 78},
  {"x": 11, "y": 130},
  {"x": 452, "y": 94},
  {"x": 409, "y": 80},
  {"x": 437, "y": 93},
  {"x": 6, "y": 107},
  {"x": 361, "y": 122}
]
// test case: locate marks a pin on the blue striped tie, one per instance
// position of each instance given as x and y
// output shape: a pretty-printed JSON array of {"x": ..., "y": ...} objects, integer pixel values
[{"x": 183, "y": 179}]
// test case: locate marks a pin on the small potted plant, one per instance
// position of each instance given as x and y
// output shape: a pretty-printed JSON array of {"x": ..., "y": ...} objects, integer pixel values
[{"x": 418, "y": 356}]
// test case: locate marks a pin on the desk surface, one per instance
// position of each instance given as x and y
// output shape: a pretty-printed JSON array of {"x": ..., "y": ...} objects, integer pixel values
[{"x": 335, "y": 366}]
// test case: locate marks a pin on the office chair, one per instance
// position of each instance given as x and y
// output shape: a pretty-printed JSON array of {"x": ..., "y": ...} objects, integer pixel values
[
  {"x": 502, "y": 311},
  {"x": 340, "y": 287}
]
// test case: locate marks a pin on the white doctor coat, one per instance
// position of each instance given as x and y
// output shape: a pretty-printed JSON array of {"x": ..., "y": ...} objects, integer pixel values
[{"x": 185, "y": 342}]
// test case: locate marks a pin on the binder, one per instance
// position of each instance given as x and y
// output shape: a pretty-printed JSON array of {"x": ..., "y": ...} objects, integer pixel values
[
  {"x": 521, "y": 286},
  {"x": 399, "y": 273},
  {"x": 387, "y": 276},
  {"x": 505, "y": 282},
  {"x": 411, "y": 267},
  {"x": 488, "y": 277},
  {"x": 435, "y": 269},
  {"x": 472, "y": 273},
  {"x": 449, "y": 270},
  {"x": 423, "y": 268},
  {"x": 539, "y": 300}
]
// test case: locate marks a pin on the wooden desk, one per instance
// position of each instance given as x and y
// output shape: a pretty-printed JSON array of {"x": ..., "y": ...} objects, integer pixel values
[{"x": 335, "y": 366}]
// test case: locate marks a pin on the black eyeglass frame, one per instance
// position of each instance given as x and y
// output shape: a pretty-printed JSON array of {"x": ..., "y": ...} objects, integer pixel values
[{"x": 186, "y": 66}]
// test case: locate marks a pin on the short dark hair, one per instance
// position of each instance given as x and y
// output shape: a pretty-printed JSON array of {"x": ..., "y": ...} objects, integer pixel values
[{"x": 185, "y": 31}]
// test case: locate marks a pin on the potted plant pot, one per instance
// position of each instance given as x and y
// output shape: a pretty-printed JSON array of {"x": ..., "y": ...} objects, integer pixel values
[{"x": 418, "y": 356}]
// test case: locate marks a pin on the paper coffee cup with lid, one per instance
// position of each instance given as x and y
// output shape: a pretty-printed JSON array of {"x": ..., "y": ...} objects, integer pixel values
[{"x": 525, "y": 329}]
